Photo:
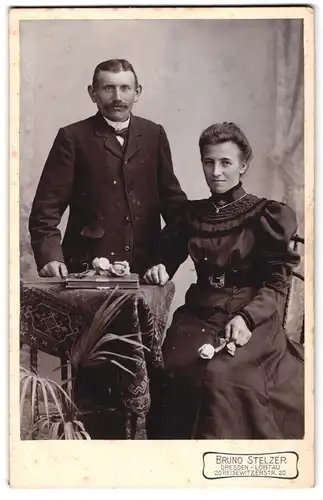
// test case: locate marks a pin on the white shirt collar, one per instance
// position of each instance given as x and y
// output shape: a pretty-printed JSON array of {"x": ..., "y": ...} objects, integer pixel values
[{"x": 118, "y": 125}]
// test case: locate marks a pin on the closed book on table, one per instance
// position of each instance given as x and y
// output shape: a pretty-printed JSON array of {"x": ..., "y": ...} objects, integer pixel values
[{"x": 128, "y": 281}]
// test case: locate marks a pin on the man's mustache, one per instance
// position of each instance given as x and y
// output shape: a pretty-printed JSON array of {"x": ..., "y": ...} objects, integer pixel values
[{"x": 118, "y": 104}]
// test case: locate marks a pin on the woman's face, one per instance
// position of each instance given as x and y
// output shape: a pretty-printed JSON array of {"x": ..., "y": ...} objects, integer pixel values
[{"x": 222, "y": 166}]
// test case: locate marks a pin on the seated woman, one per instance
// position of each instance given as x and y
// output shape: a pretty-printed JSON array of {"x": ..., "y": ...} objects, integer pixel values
[{"x": 230, "y": 371}]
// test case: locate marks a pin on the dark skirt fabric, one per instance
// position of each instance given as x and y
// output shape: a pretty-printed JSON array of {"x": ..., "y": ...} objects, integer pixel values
[{"x": 256, "y": 394}]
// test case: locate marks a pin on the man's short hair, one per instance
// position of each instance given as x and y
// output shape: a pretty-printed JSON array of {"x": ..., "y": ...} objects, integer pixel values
[{"x": 114, "y": 65}]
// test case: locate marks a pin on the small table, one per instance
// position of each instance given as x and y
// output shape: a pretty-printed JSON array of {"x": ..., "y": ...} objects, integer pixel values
[{"x": 54, "y": 318}]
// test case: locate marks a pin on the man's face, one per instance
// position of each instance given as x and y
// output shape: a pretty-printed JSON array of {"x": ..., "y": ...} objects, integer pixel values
[{"x": 115, "y": 94}]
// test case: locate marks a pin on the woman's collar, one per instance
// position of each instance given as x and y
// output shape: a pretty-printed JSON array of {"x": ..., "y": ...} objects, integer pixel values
[{"x": 231, "y": 195}]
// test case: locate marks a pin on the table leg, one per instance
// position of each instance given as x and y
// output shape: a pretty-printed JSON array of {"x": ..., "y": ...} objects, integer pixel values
[{"x": 131, "y": 425}]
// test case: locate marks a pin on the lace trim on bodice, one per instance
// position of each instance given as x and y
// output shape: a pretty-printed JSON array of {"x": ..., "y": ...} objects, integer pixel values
[{"x": 204, "y": 215}]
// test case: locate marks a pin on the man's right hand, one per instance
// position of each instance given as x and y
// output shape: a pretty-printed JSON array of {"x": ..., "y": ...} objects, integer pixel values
[{"x": 53, "y": 268}]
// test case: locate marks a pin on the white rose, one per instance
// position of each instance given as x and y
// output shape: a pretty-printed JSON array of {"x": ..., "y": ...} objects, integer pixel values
[
  {"x": 206, "y": 351},
  {"x": 101, "y": 264},
  {"x": 120, "y": 268}
]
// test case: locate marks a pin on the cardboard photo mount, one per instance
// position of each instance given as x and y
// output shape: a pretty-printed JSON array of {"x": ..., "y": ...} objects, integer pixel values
[{"x": 178, "y": 464}]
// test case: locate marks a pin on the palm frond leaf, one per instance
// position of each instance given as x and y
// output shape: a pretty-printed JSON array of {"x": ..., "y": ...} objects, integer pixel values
[
  {"x": 40, "y": 427},
  {"x": 108, "y": 337},
  {"x": 54, "y": 430},
  {"x": 58, "y": 368},
  {"x": 26, "y": 381},
  {"x": 106, "y": 313},
  {"x": 33, "y": 398},
  {"x": 80, "y": 425},
  {"x": 104, "y": 354},
  {"x": 67, "y": 380},
  {"x": 122, "y": 338},
  {"x": 58, "y": 429},
  {"x": 50, "y": 390},
  {"x": 45, "y": 397},
  {"x": 114, "y": 362},
  {"x": 69, "y": 430},
  {"x": 56, "y": 399},
  {"x": 42, "y": 423},
  {"x": 60, "y": 424},
  {"x": 133, "y": 342}
]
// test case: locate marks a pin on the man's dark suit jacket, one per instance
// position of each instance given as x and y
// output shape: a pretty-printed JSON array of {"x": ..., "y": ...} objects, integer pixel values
[{"x": 115, "y": 198}]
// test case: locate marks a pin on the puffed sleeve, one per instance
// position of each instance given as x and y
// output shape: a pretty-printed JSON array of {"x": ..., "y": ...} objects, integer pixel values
[
  {"x": 277, "y": 225},
  {"x": 173, "y": 242}
]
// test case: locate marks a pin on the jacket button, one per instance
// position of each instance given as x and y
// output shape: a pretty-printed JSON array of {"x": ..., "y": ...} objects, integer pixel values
[
  {"x": 137, "y": 218},
  {"x": 129, "y": 190},
  {"x": 128, "y": 218},
  {"x": 127, "y": 248}
]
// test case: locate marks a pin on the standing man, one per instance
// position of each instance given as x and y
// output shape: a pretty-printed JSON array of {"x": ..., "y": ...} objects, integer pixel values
[{"x": 114, "y": 171}]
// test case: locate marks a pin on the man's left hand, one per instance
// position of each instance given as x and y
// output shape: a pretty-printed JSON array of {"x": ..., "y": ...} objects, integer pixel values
[{"x": 156, "y": 275}]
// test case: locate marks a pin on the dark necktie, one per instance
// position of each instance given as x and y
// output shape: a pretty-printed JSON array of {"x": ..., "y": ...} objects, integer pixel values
[{"x": 121, "y": 133}]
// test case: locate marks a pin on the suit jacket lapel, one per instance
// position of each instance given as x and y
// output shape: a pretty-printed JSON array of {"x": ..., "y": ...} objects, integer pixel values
[
  {"x": 101, "y": 129},
  {"x": 134, "y": 139}
]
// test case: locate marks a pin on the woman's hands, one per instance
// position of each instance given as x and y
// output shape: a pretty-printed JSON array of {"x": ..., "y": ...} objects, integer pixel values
[
  {"x": 156, "y": 275},
  {"x": 237, "y": 331}
]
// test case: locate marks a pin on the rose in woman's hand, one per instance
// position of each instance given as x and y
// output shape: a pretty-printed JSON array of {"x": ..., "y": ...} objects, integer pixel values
[{"x": 206, "y": 351}]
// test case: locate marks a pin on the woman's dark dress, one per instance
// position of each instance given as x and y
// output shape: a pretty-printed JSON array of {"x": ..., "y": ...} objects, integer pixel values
[{"x": 257, "y": 393}]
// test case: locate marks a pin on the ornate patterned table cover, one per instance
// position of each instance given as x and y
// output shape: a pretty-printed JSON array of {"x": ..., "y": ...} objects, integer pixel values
[{"x": 52, "y": 318}]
